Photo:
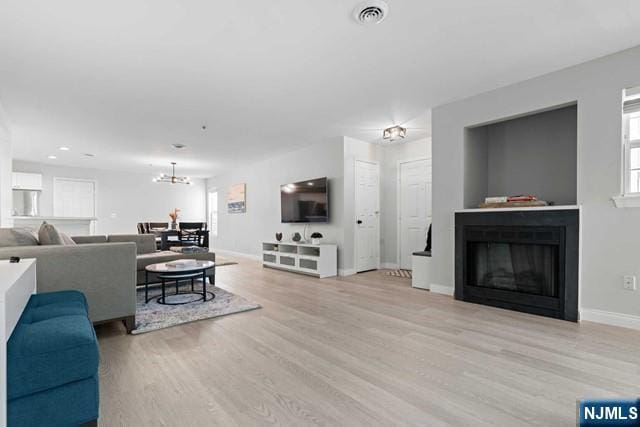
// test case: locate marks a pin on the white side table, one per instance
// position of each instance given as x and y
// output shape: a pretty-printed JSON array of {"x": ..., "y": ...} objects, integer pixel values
[
  {"x": 17, "y": 283},
  {"x": 421, "y": 270}
]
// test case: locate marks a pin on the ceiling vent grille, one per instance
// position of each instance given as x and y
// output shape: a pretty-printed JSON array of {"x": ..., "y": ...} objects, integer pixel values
[{"x": 371, "y": 12}]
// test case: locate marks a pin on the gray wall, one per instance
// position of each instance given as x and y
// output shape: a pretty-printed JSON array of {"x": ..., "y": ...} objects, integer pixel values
[
  {"x": 535, "y": 155},
  {"x": 5, "y": 172},
  {"x": 476, "y": 166},
  {"x": 334, "y": 158},
  {"x": 610, "y": 235},
  {"x": 124, "y": 199},
  {"x": 243, "y": 232}
]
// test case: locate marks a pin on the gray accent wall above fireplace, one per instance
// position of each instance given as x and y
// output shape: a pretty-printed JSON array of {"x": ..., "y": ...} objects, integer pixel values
[
  {"x": 532, "y": 154},
  {"x": 610, "y": 235}
]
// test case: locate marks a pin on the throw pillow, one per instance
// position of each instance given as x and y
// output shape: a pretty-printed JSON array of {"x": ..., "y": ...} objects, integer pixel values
[
  {"x": 66, "y": 239},
  {"x": 49, "y": 235},
  {"x": 17, "y": 237}
]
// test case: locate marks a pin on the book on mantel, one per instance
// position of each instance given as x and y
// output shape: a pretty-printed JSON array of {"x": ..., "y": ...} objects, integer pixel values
[{"x": 512, "y": 202}]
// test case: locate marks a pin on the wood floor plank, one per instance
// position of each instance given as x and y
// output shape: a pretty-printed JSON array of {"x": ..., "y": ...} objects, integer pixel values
[{"x": 360, "y": 350}]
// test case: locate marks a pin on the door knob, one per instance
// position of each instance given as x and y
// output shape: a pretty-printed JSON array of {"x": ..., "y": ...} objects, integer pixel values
[{"x": 359, "y": 221}]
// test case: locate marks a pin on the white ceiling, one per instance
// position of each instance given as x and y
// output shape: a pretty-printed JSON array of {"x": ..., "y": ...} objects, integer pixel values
[{"x": 125, "y": 79}]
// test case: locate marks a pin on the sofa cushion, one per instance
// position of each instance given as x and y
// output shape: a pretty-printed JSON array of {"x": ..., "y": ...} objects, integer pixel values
[
  {"x": 69, "y": 405},
  {"x": 89, "y": 239},
  {"x": 59, "y": 297},
  {"x": 54, "y": 304},
  {"x": 70, "y": 308},
  {"x": 17, "y": 237},
  {"x": 49, "y": 235},
  {"x": 145, "y": 243},
  {"x": 49, "y": 353},
  {"x": 66, "y": 239}
]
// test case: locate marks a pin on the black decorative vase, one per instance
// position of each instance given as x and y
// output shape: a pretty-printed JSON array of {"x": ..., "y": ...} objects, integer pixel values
[
  {"x": 296, "y": 237},
  {"x": 278, "y": 236}
]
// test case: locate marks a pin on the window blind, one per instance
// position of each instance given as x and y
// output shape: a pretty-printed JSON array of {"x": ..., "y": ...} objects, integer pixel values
[{"x": 631, "y": 106}]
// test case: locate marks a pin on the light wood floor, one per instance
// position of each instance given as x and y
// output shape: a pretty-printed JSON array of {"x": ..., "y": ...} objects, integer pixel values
[{"x": 363, "y": 350}]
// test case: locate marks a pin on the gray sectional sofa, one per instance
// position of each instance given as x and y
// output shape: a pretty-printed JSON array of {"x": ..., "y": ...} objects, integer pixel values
[
  {"x": 146, "y": 253},
  {"x": 106, "y": 269},
  {"x": 104, "y": 273}
]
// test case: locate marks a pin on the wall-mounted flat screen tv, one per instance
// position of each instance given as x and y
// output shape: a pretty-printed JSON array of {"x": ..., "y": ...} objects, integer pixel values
[{"x": 305, "y": 201}]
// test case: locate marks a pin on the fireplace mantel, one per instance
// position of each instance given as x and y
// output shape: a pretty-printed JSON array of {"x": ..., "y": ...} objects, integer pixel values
[{"x": 533, "y": 208}]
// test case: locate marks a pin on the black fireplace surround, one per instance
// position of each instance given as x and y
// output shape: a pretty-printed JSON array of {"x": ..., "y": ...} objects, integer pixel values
[{"x": 524, "y": 260}]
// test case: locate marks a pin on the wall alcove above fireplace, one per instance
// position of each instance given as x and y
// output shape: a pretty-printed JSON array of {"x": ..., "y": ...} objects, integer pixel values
[
  {"x": 534, "y": 153},
  {"x": 524, "y": 260}
]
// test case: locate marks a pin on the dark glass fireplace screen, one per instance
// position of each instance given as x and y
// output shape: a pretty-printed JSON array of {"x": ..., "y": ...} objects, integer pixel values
[{"x": 518, "y": 267}]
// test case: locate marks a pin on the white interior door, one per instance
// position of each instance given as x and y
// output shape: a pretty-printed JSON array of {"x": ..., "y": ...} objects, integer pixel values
[
  {"x": 74, "y": 198},
  {"x": 414, "y": 208},
  {"x": 367, "y": 205}
]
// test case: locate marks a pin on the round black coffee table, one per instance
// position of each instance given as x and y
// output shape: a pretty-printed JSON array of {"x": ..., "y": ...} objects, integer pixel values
[{"x": 167, "y": 273}]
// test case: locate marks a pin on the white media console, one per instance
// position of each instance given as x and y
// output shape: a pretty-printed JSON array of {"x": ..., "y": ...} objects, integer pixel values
[{"x": 316, "y": 260}]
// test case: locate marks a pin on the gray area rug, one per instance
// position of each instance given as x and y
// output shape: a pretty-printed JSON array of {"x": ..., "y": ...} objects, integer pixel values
[{"x": 153, "y": 316}]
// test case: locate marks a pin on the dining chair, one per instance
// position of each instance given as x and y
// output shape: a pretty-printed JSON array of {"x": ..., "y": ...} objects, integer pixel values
[{"x": 194, "y": 233}]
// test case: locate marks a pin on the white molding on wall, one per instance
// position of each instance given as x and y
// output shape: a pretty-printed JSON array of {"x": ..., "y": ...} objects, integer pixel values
[
  {"x": 238, "y": 254},
  {"x": 346, "y": 271},
  {"x": 610, "y": 318},
  {"x": 441, "y": 289},
  {"x": 627, "y": 201}
]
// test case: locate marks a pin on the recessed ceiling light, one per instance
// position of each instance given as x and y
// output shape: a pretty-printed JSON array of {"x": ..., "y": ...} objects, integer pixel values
[
  {"x": 178, "y": 146},
  {"x": 64, "y": 148},
  {"x": 52, "y": 157}
]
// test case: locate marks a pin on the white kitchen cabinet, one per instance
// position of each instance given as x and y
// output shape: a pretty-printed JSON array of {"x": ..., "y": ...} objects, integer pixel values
[{"x": 26, "y": 181}]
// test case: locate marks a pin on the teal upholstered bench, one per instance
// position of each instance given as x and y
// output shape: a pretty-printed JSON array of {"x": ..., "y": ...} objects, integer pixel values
[{"x": 52, "y": 363}]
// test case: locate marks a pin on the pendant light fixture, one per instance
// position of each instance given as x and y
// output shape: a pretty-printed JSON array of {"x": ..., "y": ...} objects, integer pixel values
[{"x": 173, "y": 179}]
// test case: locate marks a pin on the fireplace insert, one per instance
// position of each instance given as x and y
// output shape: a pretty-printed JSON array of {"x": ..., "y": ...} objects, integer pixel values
[{"x": 525, "y": 261}]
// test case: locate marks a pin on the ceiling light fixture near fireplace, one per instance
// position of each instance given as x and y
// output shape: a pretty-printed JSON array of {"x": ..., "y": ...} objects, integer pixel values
[
  {"x": 173, "y": 179},
  {"x": 394, "y": 133}
]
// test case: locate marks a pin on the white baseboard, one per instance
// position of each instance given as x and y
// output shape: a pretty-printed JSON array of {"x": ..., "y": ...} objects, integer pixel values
[
  {"x": 441, "y": 289},
  {"x": 238, "y": 254},
  {"x": 610, "y": 318},
  {"x": 389, "y": 265},
  {"x": 346, "y": 271}
]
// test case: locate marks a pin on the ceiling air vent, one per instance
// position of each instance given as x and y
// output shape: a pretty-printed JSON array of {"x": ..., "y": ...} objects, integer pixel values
[{"x": 371, "y": 12}]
